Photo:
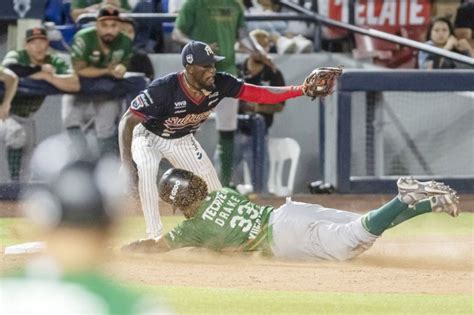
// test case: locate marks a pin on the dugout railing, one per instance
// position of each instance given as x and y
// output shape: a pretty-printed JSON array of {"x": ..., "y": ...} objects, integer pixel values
[{"x": 423, "y": 119}]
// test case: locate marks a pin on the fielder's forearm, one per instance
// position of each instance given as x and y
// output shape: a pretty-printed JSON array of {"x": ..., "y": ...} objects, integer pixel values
[{"x": 268, "y": 94}]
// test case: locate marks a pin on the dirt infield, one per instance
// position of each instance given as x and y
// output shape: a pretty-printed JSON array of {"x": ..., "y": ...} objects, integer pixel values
[
  {"x": 428, "y": 265},
  {"x": 422, "y": 266}
]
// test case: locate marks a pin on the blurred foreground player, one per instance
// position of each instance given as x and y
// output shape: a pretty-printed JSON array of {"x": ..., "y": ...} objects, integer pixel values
[
  {"x": 226, "y": 221},
  {"x": 76, "y": 208}
]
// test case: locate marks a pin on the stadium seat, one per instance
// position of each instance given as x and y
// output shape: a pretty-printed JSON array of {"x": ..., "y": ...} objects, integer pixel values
[{"x": 281, "y": 150}]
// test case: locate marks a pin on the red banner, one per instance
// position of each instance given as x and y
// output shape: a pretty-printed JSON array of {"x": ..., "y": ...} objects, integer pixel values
[{"x": 385, "y": 15}]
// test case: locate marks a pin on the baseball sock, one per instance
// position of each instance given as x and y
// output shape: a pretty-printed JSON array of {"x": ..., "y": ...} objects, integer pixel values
[
  {"x": 377, "y": 221},
  {"x": 420, "y": 208},
  {"x": 225, "y": 149}
]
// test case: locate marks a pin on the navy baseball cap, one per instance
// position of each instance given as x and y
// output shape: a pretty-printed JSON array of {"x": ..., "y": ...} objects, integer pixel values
[{"x": 199, "y": 53}]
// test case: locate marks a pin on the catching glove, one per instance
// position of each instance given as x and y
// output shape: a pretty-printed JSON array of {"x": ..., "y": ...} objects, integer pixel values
[{"x": 321, "y": 81}]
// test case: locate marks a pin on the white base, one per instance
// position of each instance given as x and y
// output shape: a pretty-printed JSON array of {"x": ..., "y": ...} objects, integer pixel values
[{"x": 25, "y": 248}]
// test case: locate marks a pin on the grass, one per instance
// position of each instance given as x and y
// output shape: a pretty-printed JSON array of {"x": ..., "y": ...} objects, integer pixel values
[{"x": 189, "y": 300}]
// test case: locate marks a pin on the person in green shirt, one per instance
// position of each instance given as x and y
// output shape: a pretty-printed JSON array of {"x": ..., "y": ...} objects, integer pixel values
[
  {"x": 220, "y": 23},
  {"x": 224, "y": 220},
  {"x": 75, "y": 212},
  {"x": 37, "y": 63},
  {"x": 79, "y": 7},
  {"x": 100, "y": 51}
]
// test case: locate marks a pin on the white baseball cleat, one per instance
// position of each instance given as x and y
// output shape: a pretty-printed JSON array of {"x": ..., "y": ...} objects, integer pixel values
[
  {"x": 446, "y": 203},
  {"x": 410, "y": 190}
]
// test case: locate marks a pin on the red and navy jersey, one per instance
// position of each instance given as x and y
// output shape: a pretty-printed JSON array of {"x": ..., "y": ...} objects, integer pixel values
[{"x": 169, "y": 111}]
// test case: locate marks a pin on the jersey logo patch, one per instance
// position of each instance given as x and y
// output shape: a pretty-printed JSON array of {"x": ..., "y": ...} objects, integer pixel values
[
  {"x": 139, "y": 102},
  {"x": 178, "y": 105}
]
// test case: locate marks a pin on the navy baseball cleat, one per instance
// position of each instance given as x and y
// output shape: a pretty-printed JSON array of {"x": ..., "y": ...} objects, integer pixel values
[{"x": 410, "y": 190}]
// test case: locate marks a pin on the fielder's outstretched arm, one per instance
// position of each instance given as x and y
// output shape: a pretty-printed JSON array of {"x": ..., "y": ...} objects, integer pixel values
[
  {"x": 320, "y": 82},
  {"x": 268, "y": 94}
]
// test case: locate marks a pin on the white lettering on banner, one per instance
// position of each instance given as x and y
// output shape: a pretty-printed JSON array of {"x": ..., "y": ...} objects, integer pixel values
[
  {"x": 371, "y": 18},
  {"x": 388, "y": 13},
  {"x": 392, "y": 13},
  {"x": 403, "y": 12},
  {"x": 415, "y": 10}
]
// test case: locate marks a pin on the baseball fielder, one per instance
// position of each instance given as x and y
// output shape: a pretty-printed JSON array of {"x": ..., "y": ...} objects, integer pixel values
[
  {"x": 226, "y": 221},
  {"x": 163, "y": 118}
]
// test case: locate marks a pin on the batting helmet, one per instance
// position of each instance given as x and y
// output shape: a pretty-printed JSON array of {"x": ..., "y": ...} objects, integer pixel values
[{"x": 182, "y": 189}]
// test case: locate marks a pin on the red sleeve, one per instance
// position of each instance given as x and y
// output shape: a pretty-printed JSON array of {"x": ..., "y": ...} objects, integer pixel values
[{"x": 268, "y": 94}]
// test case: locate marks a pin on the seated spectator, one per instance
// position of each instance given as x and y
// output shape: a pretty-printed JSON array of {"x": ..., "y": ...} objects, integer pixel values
[
  {"x": 464, "y": 23},
  {"x": 257, "y": 71},
  {"x": 285, "y": 42},
  {"x": 34, "y": 62},
  {"x": 98, "y": 51},
  {"x": 441, "y": 34},
  {"x": 79, "y": 7},
  {"x": 139, "y": 61}
]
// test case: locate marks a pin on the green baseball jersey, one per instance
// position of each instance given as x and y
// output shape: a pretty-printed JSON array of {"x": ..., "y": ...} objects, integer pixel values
[
  {"x": 21, "y": 57},
  {"x": 225, "y": 219},
  {"x": 80, "y": 293},
  {"x": 80, "y": 4},
  {"x": 214, "y": 21},
  {"x": 86, "y": 48},
  {"x": 25, "y": 105}
]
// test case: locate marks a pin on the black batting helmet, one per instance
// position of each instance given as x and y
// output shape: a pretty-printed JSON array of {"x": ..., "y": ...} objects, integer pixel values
[{"x": 182, "y": 189}]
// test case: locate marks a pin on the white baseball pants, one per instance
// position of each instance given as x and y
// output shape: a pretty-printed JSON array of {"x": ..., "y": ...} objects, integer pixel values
[
  {"x": 310, "y": 231},
  {"x": 147, "y": 151}
]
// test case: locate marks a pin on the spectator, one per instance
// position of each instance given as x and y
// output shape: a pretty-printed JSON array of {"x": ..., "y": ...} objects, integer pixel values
[
  {"x": 441, "y": 34},
  {"x": 139, "y": 61},
  {"x": 219, "y": 23},
  {"x": 464, "y": 23},
  {"x": 284, "y": 41},
  {"x": 98, "y": 51},
  {"x": 75, "y": 210},
  {"x": 149, "y": 32},
  {"x": 79, "y": 7},
  {"x": 254, "y": 71},
  {"x": 34, "y": 62}
]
